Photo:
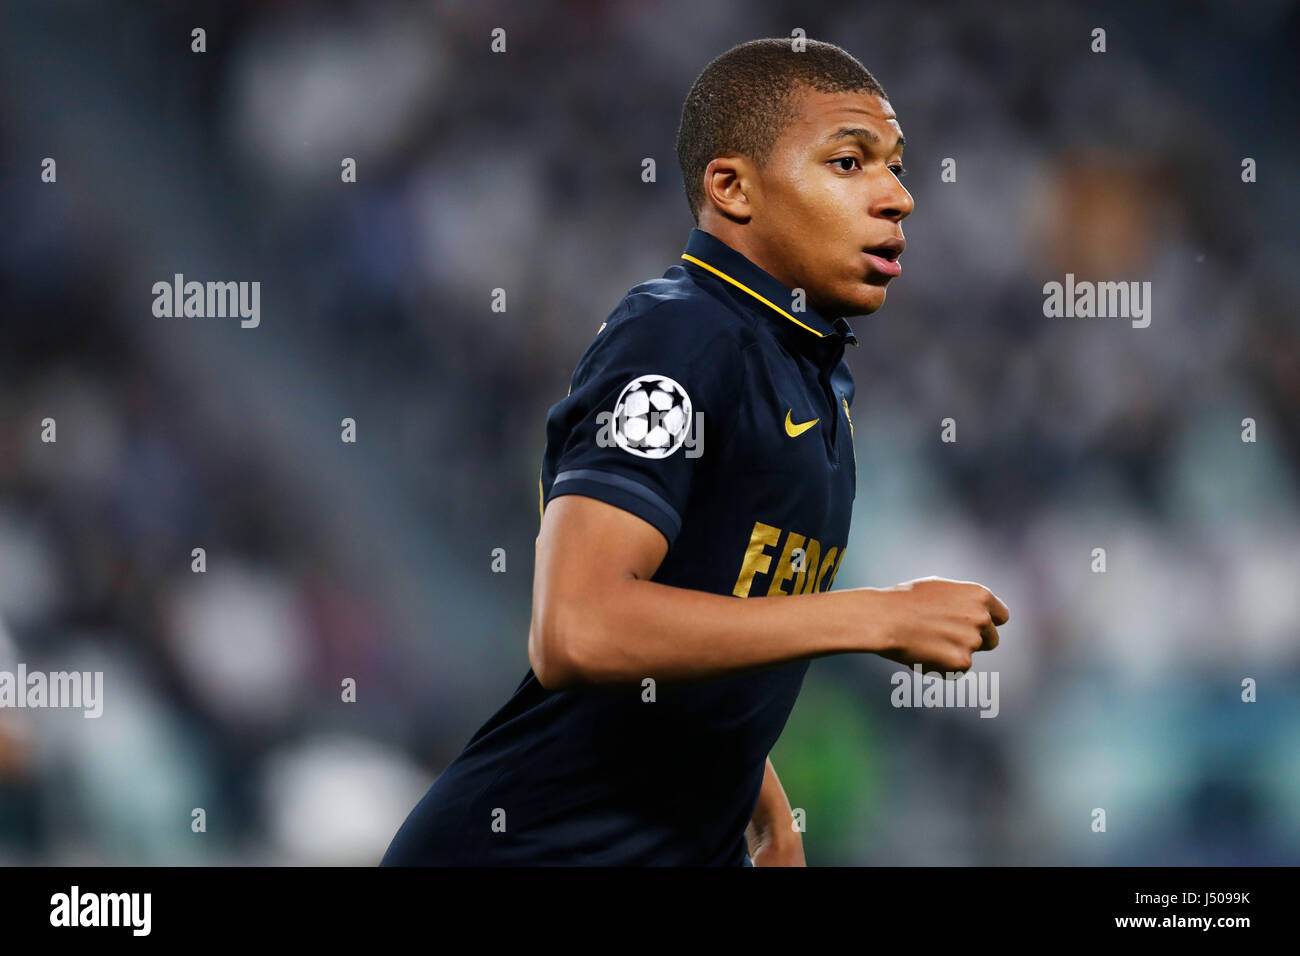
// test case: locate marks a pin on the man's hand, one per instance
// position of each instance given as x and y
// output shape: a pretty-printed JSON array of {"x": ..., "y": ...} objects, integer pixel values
[{"x": 940, "y": 624}]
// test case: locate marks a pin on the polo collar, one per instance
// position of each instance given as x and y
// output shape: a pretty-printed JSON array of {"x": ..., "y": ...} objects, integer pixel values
[{"x": 764, "y": 291}]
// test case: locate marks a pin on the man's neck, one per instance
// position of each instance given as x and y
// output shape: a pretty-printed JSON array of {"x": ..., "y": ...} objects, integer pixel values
[{"x": 745, "y": 241}]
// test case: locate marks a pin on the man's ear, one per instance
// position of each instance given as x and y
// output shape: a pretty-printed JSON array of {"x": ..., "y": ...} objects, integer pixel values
[{"x": 730, "y": 186}]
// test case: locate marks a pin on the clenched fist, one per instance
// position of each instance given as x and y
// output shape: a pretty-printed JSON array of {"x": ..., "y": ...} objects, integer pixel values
[{"x": 939, "y": 623}]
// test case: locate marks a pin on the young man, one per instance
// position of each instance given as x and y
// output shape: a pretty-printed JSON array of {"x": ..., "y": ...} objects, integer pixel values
[{"x": 704, "y": 454}]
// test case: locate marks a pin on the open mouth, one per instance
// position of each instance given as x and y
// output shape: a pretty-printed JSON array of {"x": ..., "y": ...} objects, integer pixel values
[{"x": 884, "y": 257}]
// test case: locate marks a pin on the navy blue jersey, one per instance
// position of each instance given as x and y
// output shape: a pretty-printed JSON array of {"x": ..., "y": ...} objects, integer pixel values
[{"x": 714, "y": 406}]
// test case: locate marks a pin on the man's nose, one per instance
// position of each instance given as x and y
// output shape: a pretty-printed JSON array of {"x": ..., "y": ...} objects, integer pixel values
[{"x": 896, "y": 206}]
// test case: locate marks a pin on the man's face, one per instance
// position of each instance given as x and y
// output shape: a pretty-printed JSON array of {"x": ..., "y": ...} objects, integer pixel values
[{"x": 829, "y": 210}]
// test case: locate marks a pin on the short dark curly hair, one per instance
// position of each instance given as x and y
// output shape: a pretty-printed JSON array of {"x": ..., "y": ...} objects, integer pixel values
[{"x": 744, "y": 99}]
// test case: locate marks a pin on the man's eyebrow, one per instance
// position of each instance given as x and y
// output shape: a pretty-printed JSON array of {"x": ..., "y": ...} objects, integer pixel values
[{"x": 857, "y": 132}]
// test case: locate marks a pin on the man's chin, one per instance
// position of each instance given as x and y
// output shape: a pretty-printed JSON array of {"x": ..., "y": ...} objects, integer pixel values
[
  {"x": 864, "y": 302},
  {"x": 857, "y": 298}
]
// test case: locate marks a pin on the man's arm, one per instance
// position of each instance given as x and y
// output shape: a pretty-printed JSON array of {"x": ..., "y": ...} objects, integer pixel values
[
  {"x": 771, "y": 834},
  {"x": 597, "y": 617}
]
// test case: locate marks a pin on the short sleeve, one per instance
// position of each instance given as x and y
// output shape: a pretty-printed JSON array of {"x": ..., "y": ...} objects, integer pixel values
[{"x": 652, "y": 400}]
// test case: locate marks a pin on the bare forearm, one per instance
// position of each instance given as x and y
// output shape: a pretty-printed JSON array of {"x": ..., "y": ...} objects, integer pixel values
[
  {"x": 639, "y": 629},
  {"x": 772, "y": 812},
  {"x": 599, "y": 617},
  {"x": 772, "y": 836}
]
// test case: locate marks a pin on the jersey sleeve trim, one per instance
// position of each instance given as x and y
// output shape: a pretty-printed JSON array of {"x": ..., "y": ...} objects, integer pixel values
[{"x": 621, "y": 492}]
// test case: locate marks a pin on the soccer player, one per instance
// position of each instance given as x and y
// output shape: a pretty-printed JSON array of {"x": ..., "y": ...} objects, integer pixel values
[{"x": 696, "y": 490}]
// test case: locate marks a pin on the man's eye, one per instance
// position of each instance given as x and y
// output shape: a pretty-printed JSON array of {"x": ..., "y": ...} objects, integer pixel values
[
  {"x": 846, "y": 159},
  {"x": 898, "y": 170}
]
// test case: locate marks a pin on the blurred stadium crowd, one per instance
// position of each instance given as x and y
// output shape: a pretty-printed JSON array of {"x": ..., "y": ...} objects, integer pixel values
[{"x": 522, "y": 171}]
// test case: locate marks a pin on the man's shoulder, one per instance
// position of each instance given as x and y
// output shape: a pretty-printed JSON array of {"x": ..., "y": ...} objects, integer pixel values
[{"x": 673, "y": 313}]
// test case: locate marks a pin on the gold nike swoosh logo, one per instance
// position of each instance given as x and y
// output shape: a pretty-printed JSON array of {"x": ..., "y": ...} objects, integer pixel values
[{"x": 793, "y": 430}]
